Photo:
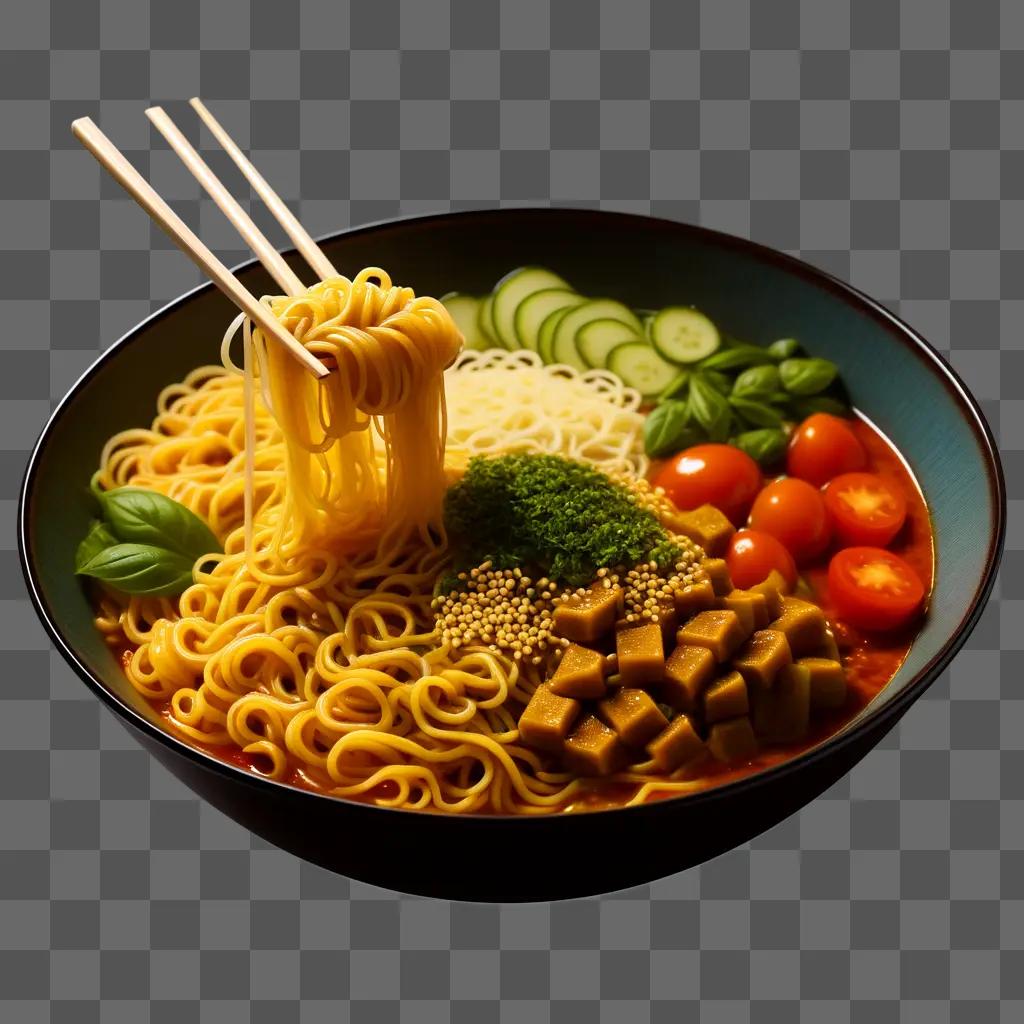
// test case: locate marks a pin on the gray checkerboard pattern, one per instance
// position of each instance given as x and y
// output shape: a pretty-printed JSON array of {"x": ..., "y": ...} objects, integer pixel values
[{"x": 881, "y": 140}]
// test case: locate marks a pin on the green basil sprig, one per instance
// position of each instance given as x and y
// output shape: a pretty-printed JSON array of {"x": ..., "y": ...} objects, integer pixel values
[
  {"x": 766, "y": 446},
  {"x": 757, "y": 382},
  {"x": 758, "y": 413},
  {"x": 784, "y": 348},
  {"x": 147, "y": 545},
  {"x": 737, "y": 357},
  {"x": 807, "y": 376},
  {"x": 709, "y": 408},
  {"x": 668, "y": 430}
]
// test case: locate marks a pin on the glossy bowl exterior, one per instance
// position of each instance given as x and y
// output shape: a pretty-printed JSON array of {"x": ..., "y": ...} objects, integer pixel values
[{"x": 753, "y": 293}]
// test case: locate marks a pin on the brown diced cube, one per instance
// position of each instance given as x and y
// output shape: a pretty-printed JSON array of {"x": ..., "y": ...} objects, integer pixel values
[
  {"x": 781, "y": 714},
  {"x": 733, "y": 740},
  {"x": 716, "y": 570},
  {"x": 726, "y": 698},
  {"x": 687, "y": 671},
  {"x": 719, "y": 631},
  {"x": 633, "y": 715},
  {"x": 762, "y": 656},
  {"x": 580, "y": 673},
  {"x": 774, "y": 587},
  {"x": 677, "y": 745},
  {"x": 547, "y": 719},
  {"x": 594, "y": 749},
  {"x": 586, "y": 617},
  {"x": 697, "y": 597},
  {"x": 641, "y": 654},
  {"x": 706, "y": 526},
  {"x": 750, "y": 607},
  {"x": 804, "y": 626},
  {"x": 829, "y": 649},
  {"x": 828, "y": 683},
  {"x": 668, "y": 619}
]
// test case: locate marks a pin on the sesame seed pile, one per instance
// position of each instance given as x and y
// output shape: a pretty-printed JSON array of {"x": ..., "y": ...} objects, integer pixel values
[{"x": 646, "y": 588}]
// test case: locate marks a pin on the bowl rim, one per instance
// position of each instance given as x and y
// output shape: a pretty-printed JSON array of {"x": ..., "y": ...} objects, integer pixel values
[{"x": 884, "y": 716}]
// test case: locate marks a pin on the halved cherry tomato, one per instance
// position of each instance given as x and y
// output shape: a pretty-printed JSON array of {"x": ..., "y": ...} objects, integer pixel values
[
  {"x": 874, "y": 589},
  {"x": 712, "y": 474},
  {"x": 752, "y": 555},
  {"x": 793, "y": 512},
  {"x": 822, "y": 447},
  {"x": 864, "y": 509}
]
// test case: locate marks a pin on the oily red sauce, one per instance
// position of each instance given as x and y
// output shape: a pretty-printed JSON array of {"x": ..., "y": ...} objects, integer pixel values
[{"x": 870, "y": 660}]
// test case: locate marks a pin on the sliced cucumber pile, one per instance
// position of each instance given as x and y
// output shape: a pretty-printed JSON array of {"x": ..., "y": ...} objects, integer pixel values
[{"x": 534, "y": 308}]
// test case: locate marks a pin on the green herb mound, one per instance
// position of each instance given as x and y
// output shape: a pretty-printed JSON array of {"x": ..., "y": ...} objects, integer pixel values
[{"x": 562, "y": 518}]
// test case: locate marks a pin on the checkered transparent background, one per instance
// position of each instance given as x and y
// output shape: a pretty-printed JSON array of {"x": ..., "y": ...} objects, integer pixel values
[{"x": 883, "y": 141}]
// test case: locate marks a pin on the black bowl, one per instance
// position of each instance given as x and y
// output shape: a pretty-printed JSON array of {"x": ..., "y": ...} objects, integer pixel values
[{"x": 756, "y": 294}]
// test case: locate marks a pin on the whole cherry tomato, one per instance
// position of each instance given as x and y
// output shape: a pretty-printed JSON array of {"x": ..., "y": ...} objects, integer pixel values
[
  {"x": 874, "y": 589},
  {"x": 822, "y": 447},
  {"x": 864, "y": 508},
  {"x": 793, "y": 512},
  {"x": 752, "y": 555},
  {"x": 712, "y": 474}
]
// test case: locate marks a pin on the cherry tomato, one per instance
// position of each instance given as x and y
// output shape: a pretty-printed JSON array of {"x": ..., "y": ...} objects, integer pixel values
[
  {"x": 752, "y": 555},
  {"x": 822, "y": 447},
  {"x": 712, "y": 474},
  {"x": 864, "y": 509},
  {"x": 793, "y": 512},
  {"x": 874, "y": 589}
]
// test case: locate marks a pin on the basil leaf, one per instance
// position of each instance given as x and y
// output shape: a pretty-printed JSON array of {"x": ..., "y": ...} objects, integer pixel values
[
  {"x": 667, "y": 430},
  {"x": 807, "y": 376},
  {"x": 140, "y": 516},
  {"x": 98, "y": 538},
  {"x": 757, "y": 381},
  {"x": 764, "y": 446},
  {"x": 141, "y": 569},
  {"x": 760, "y": 414},
  {"x": 676, "y": 386},
  {"x": 737, "y": 358},
  {"x": 710, "y": 409},
  {"x": 721, "y": 382},
  {"x": 804, "y": 407},
  {"x": 784, "y": 348}
]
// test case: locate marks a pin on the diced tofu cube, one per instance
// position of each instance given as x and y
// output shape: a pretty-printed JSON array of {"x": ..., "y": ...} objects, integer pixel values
[
  {"x": 641, "y": 654},
  {"x": 829, "y": 649},
  {"x": 782, "y": 714},
  {"x": 676, "y": 745},
  {"x": 633, "y": 715},
  {"x": 761, "y": 658},
  {"x": 726, "y": 698},
  {"x": 750, "y": 607},
  {"x": 804, "y": 626},
  {"x": 585, "y": 618},
  {"x": 668, "y": 619},
  {"x": 688, "y": 671},
  {"x": 706, "y": 526},
  {"x": 828, "y": 683},
  {"x": 716, "y": 570},
  {"x": 580, "y": 673},
  {"x": 774, "y": 587},
  {"x": 697, "y": 597},
  {"x": 594, "y": 749},
  {"x": 719, "y": 631},
  {"x": 733, "y": 740},
  {"x": 547, "y": 719}
]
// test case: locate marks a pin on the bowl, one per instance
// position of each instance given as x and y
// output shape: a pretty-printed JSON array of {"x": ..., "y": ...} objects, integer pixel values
[{"x": 758, "y": 294}]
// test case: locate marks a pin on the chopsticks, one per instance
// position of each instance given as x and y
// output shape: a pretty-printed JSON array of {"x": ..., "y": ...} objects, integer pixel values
[
  {"x": 301, "y": 238},
  {"x": 115, "y": 162}
]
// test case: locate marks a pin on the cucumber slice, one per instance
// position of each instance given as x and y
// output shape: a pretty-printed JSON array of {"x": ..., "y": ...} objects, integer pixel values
[
  {"x": 465, "y": 311},
  {"x": 536, "y": 308},
  {"x": 596, "y": 340},
  {"x": 511, "y": 290},
  {"x": 563, "y": 345},
  {"x": 684, "y": 335},
  {"x": 546, "y": 337},
  {"x": 485, "y": 321},
  {"x": 639, "y": 366}
]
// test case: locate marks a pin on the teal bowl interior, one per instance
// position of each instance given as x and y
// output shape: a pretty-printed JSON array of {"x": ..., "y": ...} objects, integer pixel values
[{"x": 752, "y": 292}]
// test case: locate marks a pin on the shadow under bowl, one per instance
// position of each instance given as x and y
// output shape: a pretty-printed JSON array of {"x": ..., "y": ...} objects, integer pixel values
[{"x": 754, "y": 293}]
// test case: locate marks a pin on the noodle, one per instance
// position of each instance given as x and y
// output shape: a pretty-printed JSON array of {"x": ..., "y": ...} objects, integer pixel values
[{"x": 310, "y": 644}]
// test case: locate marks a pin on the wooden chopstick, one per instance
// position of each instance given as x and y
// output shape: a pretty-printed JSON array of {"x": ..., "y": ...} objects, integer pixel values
[
  {"x": 301, "y": 238},
  {"x": 232, "y": 209},
  {"x": 115, "y": 162}
]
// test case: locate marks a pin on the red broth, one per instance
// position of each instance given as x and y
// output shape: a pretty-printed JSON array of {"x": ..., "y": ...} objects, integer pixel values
[{"x": 870, "y": 660}]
